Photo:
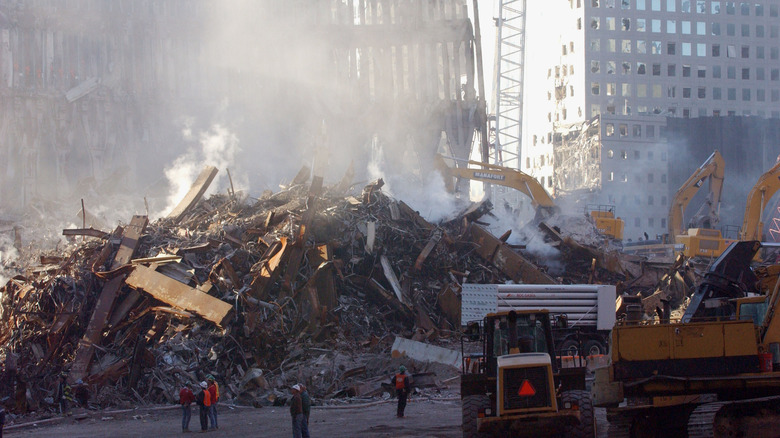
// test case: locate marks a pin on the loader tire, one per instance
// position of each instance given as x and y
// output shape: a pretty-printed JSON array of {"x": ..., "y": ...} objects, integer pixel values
[
  {"x": 586, "y": 428},
  {"x": 471, "y": 406}
]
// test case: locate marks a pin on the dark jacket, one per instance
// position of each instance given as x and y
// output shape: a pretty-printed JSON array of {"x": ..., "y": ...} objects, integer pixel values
[
  {"x": 296, "y": 406},
  {"x": 2, "y": 416},
  {"x": 306, "y": 403},
  {"x": 203, "y": 398}
]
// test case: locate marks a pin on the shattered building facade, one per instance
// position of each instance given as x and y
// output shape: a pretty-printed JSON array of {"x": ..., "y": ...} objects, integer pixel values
[
  {"x": 90, "y": 89},
  {"x": 632, "y": 63}
]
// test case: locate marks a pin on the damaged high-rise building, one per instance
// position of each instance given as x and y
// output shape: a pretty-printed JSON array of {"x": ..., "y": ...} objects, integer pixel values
[
  {"x": 98, "y": 96},
  {"x": 616, "y": 69}
]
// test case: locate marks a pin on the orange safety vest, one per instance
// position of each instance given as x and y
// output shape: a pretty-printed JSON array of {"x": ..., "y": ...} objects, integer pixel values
[
  {"x": 206, "y": 398},
  {"x": 399, "y": 381}
]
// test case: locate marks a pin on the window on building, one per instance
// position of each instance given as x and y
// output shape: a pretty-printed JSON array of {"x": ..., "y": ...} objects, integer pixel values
[
  {"x": 685, "y": 28},
  {"x": 656, "y": 90},
  {"x": 773, "y": 53},
  {"x": 625, "y": 46},
  {"x": 686, "y": 71},
  {"x": 609, "y": 129},
  {"x": 774, "y": 74},
  {"x": 715, "y": 29},
  {"x": 671, "y": 26},
  {"x": 671, "y": 49},
  {"x": 731, "y": 51},
  {"x": 655, "y": 5},
  {"x": 656, "y": 69},
  {"x": 671, "y": 91},
  {"x": 686, "y": 93},
  {"x": 731, "y": 72},
  {"x": 611, "y": 45},
  {"x": 716, "y": 93},
  {"x": 701, "y": 49},
  {"x": 701, "y": 92},
  {"x": 611, "y": 89},
  {"x": 744, "y": 8},
  {"x": 595, "y": 45},
  {"x": 641, "y": 90},
  {"x": 640, "y": 25},
  {"x": 759, "y": 10},
  {"x": 685, "y": 6},
  {"x": 701, "y": 28},
  {"x": 686, "y": 49},
  {"x": 626, "y": 67},
  {"x": 670, "y": 5},
  {"x": 716, "y": 71},
  {"x": 623, "y": 130},
  {"x": 594, "y": 66},
  {"x": 624, "y": 154},
  {"x": 625, "y": 24},
  {"x": 671, "y": 70},
  {"x": 731, "y": 29},
  {"x": 655, "y": 47},
  {"x": 745, "y": 52},
  {"x": 773, "y": 31},
  {"x": 640, "y": 68},
  {"x": 760, "y": 30},
  {"x": 640, "y": 5},
  {"x": 636, "y": 155},
  {"x": 732, "y": 93},
  {"x": 773, "y": 10},
  {"x": 625, "y": 90},
  {"x": 760, "y": 73},
  {"x": 594, "y": 88},
  {"x": 641, "y": 47},
  {"x": 655, "y": 26},
  {"x": 610, "y": 22},
  {"x": 595, "y": 23},
  {"x": 701, "y": 7},
  {"x": 760, "y": 52},
  {"x": 746, "y": 73},
  {"x": 650, "y": 131},
  {"x": 715, "y": 50},
  {"x": 715, "y": 8},
  {"x": 745, "y": 30},
  {"x": 637, "y": 130},
  {"x": 775, "y": 95},
  {"x": 702, "y": 72},
  {"x": 730, "y": 8},
  {"x": 760, "y": 95}
]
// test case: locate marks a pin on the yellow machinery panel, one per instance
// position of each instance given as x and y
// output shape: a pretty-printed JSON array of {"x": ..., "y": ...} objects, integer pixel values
[{"x": 684, "y": 341}]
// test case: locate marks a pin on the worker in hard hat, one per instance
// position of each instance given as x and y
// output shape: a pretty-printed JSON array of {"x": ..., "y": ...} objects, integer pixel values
[{"x": 402, "y": 386}]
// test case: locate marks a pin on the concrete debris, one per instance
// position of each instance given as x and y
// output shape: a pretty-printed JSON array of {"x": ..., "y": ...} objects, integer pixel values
[{"x": 310, "y": 284}]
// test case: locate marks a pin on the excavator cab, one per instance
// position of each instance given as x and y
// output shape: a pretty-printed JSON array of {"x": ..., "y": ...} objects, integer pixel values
[{"x": 606, "y": 221}]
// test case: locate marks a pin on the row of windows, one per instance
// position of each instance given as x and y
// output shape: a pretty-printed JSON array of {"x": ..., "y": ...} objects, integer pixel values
[
  {"x": 638, "y": 179},
  {"x": 643, "y": 47},
  {"x": 656, "y": 91},
  {"x": 689, "y": 6},
  {"x": 627, "y": 109},
  {"x": 686, "y": 27},
  {"x": 636, "y": 132},
  {"x": 687, "y": 71}
]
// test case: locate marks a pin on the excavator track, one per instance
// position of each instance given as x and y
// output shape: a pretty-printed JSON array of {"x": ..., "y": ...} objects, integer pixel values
[
  {"x": 731, "y": 418},
  {"x": 701, "y": 423}
]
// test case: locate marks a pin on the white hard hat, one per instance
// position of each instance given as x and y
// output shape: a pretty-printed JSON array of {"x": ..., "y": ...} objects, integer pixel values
[{"x": 204, "y": 385}]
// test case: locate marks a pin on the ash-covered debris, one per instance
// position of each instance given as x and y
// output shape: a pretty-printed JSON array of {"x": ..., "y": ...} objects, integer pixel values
[{"x": 310, "y": 284}]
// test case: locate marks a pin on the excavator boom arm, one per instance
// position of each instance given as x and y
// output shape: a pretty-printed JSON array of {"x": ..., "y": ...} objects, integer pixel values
[
  {"x": 757, "y": 199},
  {"x": 712, "y": 169},
  {"x": 504, "y": 176}
]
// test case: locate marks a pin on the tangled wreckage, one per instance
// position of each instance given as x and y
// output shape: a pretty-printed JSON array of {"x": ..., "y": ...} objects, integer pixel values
[{"x": 309, "y": 284}]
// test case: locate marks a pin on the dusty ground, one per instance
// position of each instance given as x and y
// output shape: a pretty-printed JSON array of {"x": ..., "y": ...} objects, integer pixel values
[{"x": 424, "y": 418}]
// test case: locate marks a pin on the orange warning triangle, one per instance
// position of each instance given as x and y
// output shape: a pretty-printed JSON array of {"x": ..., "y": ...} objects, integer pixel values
[{"x": 526, "y": 389}]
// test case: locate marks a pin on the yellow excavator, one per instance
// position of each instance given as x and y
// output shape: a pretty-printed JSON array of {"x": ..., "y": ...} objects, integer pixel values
[
  {"x": 714, "y": 373},
  {"x": 543, "y": 203},
  {"x": 700, "y": 238},
  {"x": 757, "y": 200}
]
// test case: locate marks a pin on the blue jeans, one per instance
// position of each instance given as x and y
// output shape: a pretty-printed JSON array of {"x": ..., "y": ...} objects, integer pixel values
[
  {"x": 297, "y": 425},
  {"x": 186, "y": 414},
  {"x": 305, "y": 427},
  {"x": 213, "y": 416}
]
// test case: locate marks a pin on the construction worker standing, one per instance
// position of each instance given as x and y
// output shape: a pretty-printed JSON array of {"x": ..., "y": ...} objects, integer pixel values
[
  {"x": 296, "y": 412},
  {"x": 64, "y": 394},
  {"x": 203, "y": 399},
  {"x": 401, "y": 384},
  {"x": 214, "y": 392},
  {"x": 186, "y": 397},
  {"x": 2, "y": 420},
  {"x": 306, "y": 407}
]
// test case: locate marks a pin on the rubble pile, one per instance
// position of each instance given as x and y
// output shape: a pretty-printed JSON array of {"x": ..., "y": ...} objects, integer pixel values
[{"x": 309, "y": 284}]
